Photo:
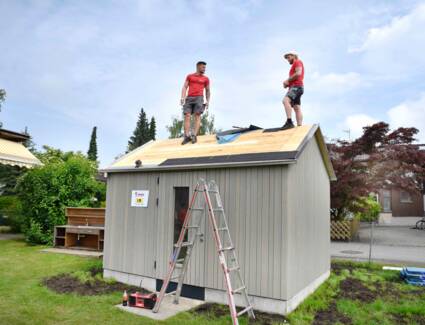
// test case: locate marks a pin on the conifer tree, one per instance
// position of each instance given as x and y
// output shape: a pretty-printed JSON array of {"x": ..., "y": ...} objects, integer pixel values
[{"x": 92, "y": 152}]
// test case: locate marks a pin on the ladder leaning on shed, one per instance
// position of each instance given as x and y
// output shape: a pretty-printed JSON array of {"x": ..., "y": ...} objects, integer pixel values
[{"x": 223, "y": 243}]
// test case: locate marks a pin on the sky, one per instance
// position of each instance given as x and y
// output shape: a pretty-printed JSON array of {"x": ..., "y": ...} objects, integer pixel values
[{"x": 70, "y": 65}]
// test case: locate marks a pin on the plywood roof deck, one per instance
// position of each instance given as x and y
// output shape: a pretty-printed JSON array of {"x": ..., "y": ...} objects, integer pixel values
[
  {"x": 256, "y": 141},
  {"x": 169, "y": 153}
]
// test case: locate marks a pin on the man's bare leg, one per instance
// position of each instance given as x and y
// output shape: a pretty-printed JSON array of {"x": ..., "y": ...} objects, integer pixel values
[
  {"x": 197, "y": 123},
  {"x": 288, "y": 107},
  {"x": 298, "y": 114},
  {"x": 186, "y": 124}
]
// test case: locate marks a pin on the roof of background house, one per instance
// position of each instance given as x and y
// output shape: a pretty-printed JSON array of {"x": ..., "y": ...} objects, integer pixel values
[
  {"x": 13, "y": 152},
  {"x": 13, "y": 136},
  {"x": 249, "y": 149}
]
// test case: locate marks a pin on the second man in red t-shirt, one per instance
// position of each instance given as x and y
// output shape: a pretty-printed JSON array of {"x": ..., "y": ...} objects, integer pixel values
[
  {"x": 193, "y": 100},
  {"x": 295, "y": 85}
]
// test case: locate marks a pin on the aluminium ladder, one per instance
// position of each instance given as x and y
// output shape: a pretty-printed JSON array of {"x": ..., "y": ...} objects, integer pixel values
[{"x": 191, "y": 230}]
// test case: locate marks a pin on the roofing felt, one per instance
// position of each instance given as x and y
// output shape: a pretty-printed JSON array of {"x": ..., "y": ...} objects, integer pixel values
[{"x": 253, "y": 147}]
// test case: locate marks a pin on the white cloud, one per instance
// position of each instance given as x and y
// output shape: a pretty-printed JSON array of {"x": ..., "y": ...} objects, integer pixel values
[
  {"x": 336, "y": 83},
  {"x": 410, "y": 114},
  {"x": 355, "y": 123},
  {"x": 396, "y": 48}
]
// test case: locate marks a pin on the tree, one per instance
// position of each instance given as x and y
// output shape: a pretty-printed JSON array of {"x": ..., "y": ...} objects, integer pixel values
[
  {"x": 141, "y": 133},
  {"x": 29, "y": 144},
  {"x": 152, "y": 129},
  {"x": 175, "y": 130},
  {"x": 65, "y": 179},
  {"x": 378, "y": 159},
  {"x": 2, "y": 99},
  {"x": 92, "y": 152}
]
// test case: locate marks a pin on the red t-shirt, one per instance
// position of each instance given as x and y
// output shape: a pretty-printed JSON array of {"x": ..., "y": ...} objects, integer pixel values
[
  {"x": 298, "y": 82},
  {"x": 197, "y": 83}
]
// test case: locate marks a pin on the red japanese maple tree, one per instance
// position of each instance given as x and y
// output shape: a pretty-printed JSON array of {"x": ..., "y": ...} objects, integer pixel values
[{"x": 380, "y": 158}]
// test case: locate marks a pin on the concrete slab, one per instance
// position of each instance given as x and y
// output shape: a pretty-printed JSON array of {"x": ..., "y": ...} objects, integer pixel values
[
  {"x": 76, "y": 252},
  {"x": 168, "y": 308}
]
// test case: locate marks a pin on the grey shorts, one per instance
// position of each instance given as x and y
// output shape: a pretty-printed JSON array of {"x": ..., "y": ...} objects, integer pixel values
[
  {"x": 194, "y": 105},
  {"x": 294, "y": 94}
]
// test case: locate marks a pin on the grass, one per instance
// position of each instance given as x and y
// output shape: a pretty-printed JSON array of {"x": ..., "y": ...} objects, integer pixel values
[{"x": 25, "y": 301}]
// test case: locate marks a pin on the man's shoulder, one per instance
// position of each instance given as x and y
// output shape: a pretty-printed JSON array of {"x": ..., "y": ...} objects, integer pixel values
[{"x": 298, "y": 63}]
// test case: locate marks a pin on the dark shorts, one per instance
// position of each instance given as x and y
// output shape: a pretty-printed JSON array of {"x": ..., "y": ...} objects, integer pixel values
[
  {"x": 294, "y": 94},
  {"x": 194, "y": 105}
]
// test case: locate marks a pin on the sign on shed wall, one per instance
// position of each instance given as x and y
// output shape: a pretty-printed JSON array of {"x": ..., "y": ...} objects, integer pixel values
[{"x": 139, "y": 198}]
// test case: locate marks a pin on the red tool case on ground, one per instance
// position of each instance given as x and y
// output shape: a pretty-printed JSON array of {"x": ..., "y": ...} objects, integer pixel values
[{"x": 140, "y": 300}]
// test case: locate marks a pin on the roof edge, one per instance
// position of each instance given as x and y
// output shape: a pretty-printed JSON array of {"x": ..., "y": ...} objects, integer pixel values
[
  {"x": 316, "y": 132},
  {"x": 197, "y": 166},
  {"x": 325, "y": 154}
]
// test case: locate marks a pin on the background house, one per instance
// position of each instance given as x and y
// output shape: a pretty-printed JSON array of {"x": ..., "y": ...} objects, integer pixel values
[
  {"x": 275, "y": 188},
  {"x": 13, "y": 152}
]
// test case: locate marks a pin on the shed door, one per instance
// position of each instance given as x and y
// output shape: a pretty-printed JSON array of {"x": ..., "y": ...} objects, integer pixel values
[
  {"x": 142, "y": 223},
  {"x": 175, "y": 192}
]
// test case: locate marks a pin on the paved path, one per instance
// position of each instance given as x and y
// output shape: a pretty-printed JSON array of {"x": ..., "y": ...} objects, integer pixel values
[
  {"x": 391, "y": 245},
  {"x": 11, "y": 236}
]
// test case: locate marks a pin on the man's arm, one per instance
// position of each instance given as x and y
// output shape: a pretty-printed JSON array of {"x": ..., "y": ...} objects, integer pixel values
[
  {"x": 207, "y": 96},
  {"x": 184, "y": 92},
  {"x": 298, "y": 72}
]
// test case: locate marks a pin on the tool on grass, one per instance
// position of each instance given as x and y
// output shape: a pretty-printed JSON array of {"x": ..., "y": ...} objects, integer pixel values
[{"x": 223, "y": 243}]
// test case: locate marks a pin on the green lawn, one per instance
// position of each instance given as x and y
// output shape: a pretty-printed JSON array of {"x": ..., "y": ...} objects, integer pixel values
[{"x": 353, "y": 295}]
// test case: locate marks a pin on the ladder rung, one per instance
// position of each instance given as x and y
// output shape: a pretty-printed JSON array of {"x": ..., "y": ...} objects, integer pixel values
[
  {"x": 179, "y": 265},
  {"x": 222, "y": 229},
  {"x": 226, "y": 249},
  {"x": 184, "y": 244},
  {"x": 170, "y": 293},
  {"x": 192, "y": 227},
  {"x": 239, "y": 289},
  {"x": 235, "y": 268},
  {"x": 197, "y": 209},
  {"x": 212, "y": 191},
  {"x": 245, "y": 310},
  {"x": 175, "y": 277},
  {"x": 219, "y": 209}
]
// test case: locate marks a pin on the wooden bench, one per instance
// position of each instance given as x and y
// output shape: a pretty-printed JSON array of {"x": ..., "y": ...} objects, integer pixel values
[{"x": 85, "y": 229}]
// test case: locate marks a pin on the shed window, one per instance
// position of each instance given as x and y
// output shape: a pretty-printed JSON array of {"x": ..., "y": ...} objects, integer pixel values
[{"x": 405, "y": 197}]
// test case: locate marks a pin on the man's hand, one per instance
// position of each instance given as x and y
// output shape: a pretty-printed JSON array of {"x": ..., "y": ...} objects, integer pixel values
[
  {"x": 182, "y": 101},
  {"x": 286, "y": 84},
  {"x": 206, "y": 105}
]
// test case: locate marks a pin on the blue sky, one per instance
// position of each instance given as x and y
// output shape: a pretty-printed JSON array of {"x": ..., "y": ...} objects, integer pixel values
[{"x": 70, "y": 65}]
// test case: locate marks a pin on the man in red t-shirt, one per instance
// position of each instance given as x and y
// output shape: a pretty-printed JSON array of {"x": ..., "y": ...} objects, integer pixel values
[
  {"x": 292, "y": 99},
  {"x": 193, "y": 100}
]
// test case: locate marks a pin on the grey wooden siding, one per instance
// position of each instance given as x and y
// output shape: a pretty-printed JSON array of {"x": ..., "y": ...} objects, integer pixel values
[
  {"x": 278, "y": 218},
  {"x": 255, "y": 205},
  {"x": 130, "y": 244},
  {"x": 308, "y": 222}
]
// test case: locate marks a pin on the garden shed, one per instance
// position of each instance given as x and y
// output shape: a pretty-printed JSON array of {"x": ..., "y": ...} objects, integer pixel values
[{"x": 275, "y": 187}]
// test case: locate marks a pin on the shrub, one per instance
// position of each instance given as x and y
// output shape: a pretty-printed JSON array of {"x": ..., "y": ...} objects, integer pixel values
[
  {"x": 11, "y": 212},
  {"x": 66, "y": 180},
  {"x": 369, "y": 209}
]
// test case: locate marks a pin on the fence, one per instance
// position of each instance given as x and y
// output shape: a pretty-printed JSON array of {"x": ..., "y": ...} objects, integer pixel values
[{"x": 344, "y": 230}]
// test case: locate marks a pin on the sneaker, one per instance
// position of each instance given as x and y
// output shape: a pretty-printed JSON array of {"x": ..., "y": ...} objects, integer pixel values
[
  {"x": 185, "y": 140},
  {"x": 288, "y": 125},
  {"x": 194, "y": 139}
]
